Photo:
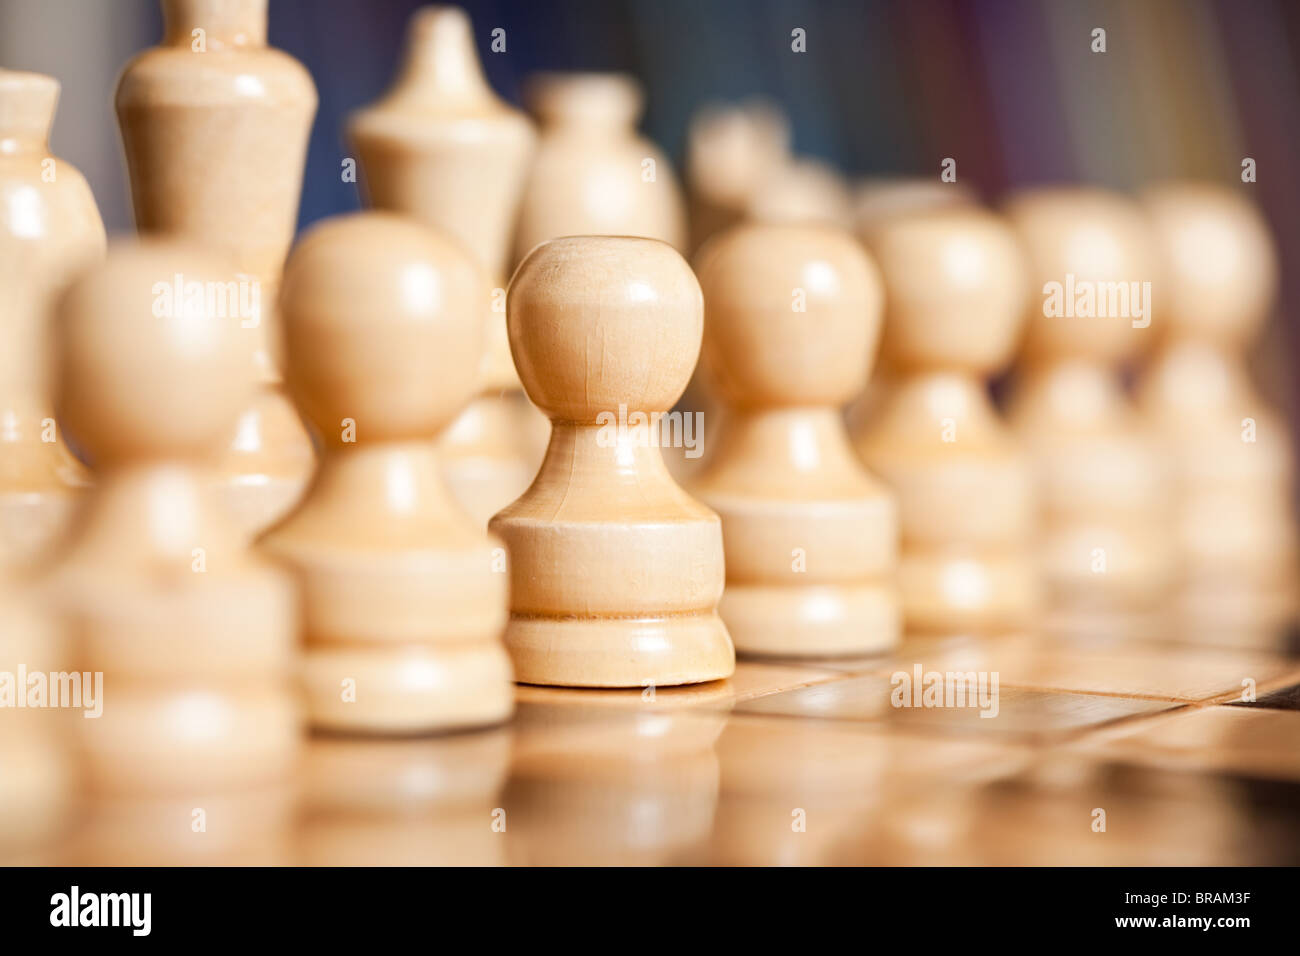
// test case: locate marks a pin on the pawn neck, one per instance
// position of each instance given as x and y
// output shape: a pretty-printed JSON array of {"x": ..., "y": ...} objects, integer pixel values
[
  {"x": 225, "y": 23},
  {"x": 441, "y": 61},
  {"x": 27, "y": 104}
]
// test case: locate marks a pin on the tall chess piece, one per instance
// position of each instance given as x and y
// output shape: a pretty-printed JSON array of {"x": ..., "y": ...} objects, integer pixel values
[
  {"x": 954, "y": 294},
  {"x": 193, "y": 633},
  {"x": 404, "y": 595},
  {"x": 1108, "y": 557},
  {"x": 615, "y": 571},
  {"x": 593, "y": 175},
  {"x": 1231, "y": 452},
  {"x": 811, "y": 539},
  {"x": 214, "y": 125},
  {"x": 49, "y": 230},
  {"x": 441, "y": 147}
]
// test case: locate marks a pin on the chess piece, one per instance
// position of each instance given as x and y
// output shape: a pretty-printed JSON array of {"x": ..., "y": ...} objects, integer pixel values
[
  {"x": 615, "y": 571},
  {"x": 954, "y": 293},
  {"x": 593, "y": 174},
  {"x": 877, "y": 201},
  {"x": 193, "y": 633},
  {"x": 730, "y": 152},
  {"x": 49, "y": 230},
  {"x": 810, "y": 537},
  {"x": 214, "y": 126},
  {"x": 441, "y": 147},
  {"x": 1231, "y": 452},
  {"x": 404, "y": 595},
  {"x": 1106, "y": 532}
]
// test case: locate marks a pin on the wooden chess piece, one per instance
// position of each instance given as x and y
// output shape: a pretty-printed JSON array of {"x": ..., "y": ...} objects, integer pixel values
[
  {"x": 730, "y": 152},
  {"x": 954, "y": 293},
  {"x": 193, "y": 633},
  {"x": 214, "y": 125},
  {"x": 1231, "y": 452},
  {"x": 442, "y": 147},
  {"x": 404, "y": 595},
  {"x": 803, "y": 190},
  {"x": 49, "y": 230},
  {"x": 811, "y": 539},
  {"x": 593, "y": 174},
  {"x": 1106, "y": 531},
  {"x": 615, "y": 571},
  {"x": 875, "y": 202}
]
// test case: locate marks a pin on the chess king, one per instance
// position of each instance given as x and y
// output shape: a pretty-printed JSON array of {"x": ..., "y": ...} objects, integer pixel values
[{"x": 214, "y": 126}]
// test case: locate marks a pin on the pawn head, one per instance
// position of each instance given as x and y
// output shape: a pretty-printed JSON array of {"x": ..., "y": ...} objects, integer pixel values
[
  {"x": 383, "y": 325},
  {"x": 793, "y": 314},
  {"x": 599, "y": 321},
  {"x": 1221, "y": 271},
  {"x": 1092, "y": 273},
  {"x": 154, "y": 360},
  {"x": 954, "y": 289}
]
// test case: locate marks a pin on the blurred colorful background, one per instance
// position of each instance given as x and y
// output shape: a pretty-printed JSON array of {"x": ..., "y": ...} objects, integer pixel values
[{"x": 1011, "y": 89}]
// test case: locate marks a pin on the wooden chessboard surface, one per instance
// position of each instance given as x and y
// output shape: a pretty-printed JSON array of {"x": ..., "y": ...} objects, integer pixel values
[{"x": 810, "y": 763}]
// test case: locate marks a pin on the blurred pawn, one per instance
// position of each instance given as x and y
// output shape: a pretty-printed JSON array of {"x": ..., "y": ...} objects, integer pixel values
[
  {"x": 811, "y": 538},
  {"x": 192, "y": 758},
  {"x": 876, "y": 201},
  {"x": 1106, "y": 534},
  {"x": 404, "y": 595},
  {"x": 1231, "y": 451},
  {"x": 954, "y": 295},
  {"x": 593, "y": 174},
  {"x": 730, "y": 152},
  {"x": 405, "y": 802},
  {"x": 803, "y": 191},
  {"x": 49, "y": 230}
]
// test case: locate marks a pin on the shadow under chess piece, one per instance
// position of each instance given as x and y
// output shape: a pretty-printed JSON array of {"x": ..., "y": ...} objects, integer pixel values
[
  {"x": 593, "y": 174},
  {"x": 49, "y": 230},
  {"x": 616, "y": 572},
  {"x": 442, "y": 147},
  {"x": 404, "y": 596},
  {"x": 954, "y": 294},
  {"x": 1232, "y": 454},
  {"x": 811, "y": 538},
  {"x": 214, "y": 126},
  {"x": 1107, "y": 538},
  {"x": 193, "y": 756}
]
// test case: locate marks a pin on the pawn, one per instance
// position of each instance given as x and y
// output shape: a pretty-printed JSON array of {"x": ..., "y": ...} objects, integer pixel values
[
  {"x": 731, "y": 150},
  {"x": 955, "y": 293},
  {"x": 593, "y": 174},
  {"x": 442, "y": 147},
  {"x": 1106, "y": 532},
  {"x": 615, "y": 571},
  {"x": 404, "y": 595},
  {"x": 193, "y": 633},
  {"x": 49, "y": 230},
  {"x": 810, "y": 537},
  {"x": 1232, "y": 455},
  {"x": 214, "y": 128}
]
